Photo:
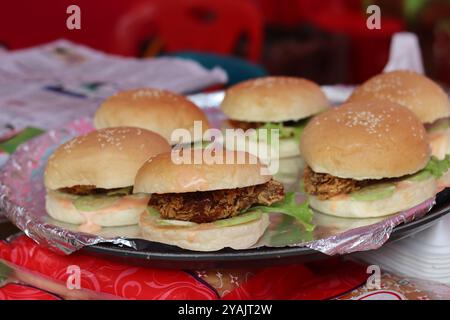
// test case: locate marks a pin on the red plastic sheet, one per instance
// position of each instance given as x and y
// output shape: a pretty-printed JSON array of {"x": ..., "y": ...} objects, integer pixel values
[{"x": 37, "y": 273}]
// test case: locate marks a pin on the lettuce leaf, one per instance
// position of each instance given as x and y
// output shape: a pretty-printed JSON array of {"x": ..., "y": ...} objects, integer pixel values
[
  {"x": 289, "y": 207},
  {"x": 437, "y": 168},
  {"x": 285, "y": 132},
  {"x": 289, "y": 233}
]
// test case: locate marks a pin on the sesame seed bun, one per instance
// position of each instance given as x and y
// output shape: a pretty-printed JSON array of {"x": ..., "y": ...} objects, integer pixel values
[
  {"x": 417, "y": 92},
  {"x": 153, "y": 109},
  {"x": 106, "y": 158},
  {"x": 162, "y": 174},
  {"x": 274, "y": 99},
  {"x": 366, "y": 140}
]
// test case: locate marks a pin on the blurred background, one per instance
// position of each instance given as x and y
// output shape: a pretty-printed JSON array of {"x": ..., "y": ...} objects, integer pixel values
[{"x": 326, "y": 41}]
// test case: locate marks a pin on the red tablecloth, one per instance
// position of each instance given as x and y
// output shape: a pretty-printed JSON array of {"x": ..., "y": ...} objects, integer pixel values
[{"x": 37, "y": 273}]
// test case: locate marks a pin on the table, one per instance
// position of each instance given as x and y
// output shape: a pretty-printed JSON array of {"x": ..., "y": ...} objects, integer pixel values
[{"x": 63, "y": 74}]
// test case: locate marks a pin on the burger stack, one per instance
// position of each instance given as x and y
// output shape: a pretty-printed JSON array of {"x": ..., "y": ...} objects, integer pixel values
[
  {"x": 424, "y": 255},
  {"x": 370, "y": 157},
  {"x": 126, "y": 173},
  {"x": 285, "y": 104},
  {"x": 366, "y": 159}
]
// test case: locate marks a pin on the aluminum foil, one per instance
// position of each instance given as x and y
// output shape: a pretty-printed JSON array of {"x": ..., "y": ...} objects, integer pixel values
[{"x": 22, "y": 197}]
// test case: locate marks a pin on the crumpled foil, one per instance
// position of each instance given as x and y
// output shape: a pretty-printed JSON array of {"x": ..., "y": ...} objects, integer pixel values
[
  {"x": 22, "y": 192},
  {"x": 22, "y": 197}
]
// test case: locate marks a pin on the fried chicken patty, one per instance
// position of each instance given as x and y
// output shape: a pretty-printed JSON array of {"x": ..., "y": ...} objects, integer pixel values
[
  {"x": 326, "y": 186},
  {"x": 209, "y": 206}
]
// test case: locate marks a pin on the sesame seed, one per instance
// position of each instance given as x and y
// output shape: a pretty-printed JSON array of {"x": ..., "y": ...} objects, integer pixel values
[{"x": 365, "y": 119}]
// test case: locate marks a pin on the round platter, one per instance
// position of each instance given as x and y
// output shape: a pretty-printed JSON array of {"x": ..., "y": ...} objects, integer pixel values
[
  {"x": 24, "y": 194},
  {"x": 157, "y": 255}
]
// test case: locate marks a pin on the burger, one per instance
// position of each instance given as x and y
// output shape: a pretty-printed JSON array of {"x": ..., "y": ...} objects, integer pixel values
[
  {"x": 421, "y": 95},
  {"x": 207, "y": 207},
  {"x": 89, "y": 179},
  {"x": 157, "y": 110},
  {"x": 417, "y": 92},
  {"x": 367, "y": 159},
  {"x": 282, "y": 103}
]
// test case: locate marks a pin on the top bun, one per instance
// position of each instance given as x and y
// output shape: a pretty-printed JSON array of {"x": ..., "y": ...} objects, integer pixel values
[
  {"x": 152, "y": 109},
  {"x": 162, "y": 174},
  {"x": 420, "y": 94},
  {"x": 106, "y": 158},
  {"x": 273, "y": 99},
  {"x": 366, "y": 140}
]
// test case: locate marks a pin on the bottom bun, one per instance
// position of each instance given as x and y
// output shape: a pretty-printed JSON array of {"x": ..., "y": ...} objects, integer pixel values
[
  {"x": 204, "y": 236},
  {"x": 124, "y": 212},
  {"x": 407, "y": 195}
]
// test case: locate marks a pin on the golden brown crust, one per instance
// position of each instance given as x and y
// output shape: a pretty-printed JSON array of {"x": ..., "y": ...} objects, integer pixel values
[
  {"x": 152, "y": 109},
  {"x": 106, "y": 158},
  {"x": 165, "y": 173},
  {"x": 366, "y": 140},
  {"x": 274, "y": 99},
  {"x": 417, "y": 92}
]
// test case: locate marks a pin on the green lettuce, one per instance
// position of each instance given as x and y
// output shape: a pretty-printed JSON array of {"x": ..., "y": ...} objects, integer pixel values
[
  {"x": 437, "y": 168},
  {"x": 5, "y": 272},
  {"x": 285, "y": 132},
  {"x": 288, "y": 232},
  {"x": 289, "y": 207}
]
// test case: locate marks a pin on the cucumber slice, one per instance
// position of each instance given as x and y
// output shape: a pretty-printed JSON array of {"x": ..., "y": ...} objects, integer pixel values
[
  {"x": 421, "y": 176},
  {"x": 175, "y": 223},
  {"x": 94, "y": 202},
  {"x": 376, "y": 192},
  {"x": 240, "y": 219},
  {"x": 65, "y": 195},
  {"x": 168, "y": 222}
]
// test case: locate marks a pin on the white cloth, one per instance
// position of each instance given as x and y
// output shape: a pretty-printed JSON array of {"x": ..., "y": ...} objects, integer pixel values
[
  {"x": 86, "y": 76},
  {"x": 405, "y": 53}
]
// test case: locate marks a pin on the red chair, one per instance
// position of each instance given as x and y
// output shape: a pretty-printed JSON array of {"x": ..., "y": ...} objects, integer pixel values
[
  {"x": 369, "y": 48},
  {"x": 215, "y": 26},
  {"x": 25, "y": 23}
]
